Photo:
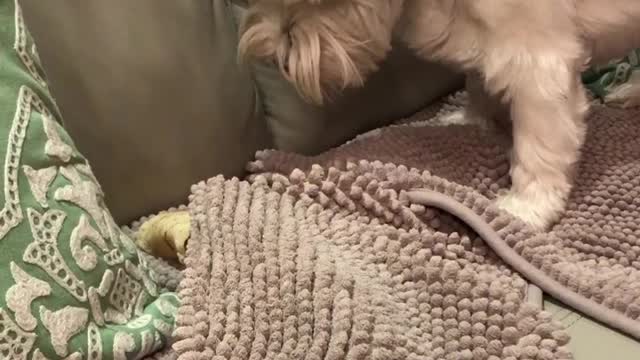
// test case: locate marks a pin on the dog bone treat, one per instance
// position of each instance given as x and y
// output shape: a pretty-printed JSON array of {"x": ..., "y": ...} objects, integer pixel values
[{"x": 165, "y": 235}]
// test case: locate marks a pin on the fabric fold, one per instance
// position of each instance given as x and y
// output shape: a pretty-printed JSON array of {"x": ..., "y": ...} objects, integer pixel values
[{"x": 337, "y": 256}]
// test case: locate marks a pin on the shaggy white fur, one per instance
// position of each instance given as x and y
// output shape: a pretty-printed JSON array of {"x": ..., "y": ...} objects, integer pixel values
[{"x": 523, "y": 57}]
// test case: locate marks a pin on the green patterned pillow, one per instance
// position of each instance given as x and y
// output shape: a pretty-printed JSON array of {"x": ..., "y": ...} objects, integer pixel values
[
  {"x": 74, "y": 284},
  {"x": 608, "y": 82}
]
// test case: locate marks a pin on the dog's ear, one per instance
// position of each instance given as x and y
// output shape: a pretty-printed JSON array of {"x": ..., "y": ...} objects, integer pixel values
[
  {"x": 322, "y": 60},
  {"x": 262, "y": 35},
  {"x": 339, "y": 46},
  {"x": 321, "y": 50},
  {"x": 311, "y": 53}
]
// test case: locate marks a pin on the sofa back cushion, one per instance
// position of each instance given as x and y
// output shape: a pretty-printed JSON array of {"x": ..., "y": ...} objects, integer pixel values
[
  {"x": 151, "y": 92},
  {"x": 154, "y": 96}
]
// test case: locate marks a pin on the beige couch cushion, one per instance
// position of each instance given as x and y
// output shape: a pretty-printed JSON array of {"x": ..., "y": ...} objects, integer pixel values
[{"x": 151, "y": 92}]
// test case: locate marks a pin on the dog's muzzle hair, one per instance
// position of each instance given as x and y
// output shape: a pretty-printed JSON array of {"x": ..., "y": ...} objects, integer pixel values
[{"x": 321, "y": 46}]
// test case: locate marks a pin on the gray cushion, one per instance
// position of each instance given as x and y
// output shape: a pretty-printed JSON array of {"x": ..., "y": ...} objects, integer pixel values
[
  {"x": 154, "y": 96},
  {"x": 151, "y": 92}
]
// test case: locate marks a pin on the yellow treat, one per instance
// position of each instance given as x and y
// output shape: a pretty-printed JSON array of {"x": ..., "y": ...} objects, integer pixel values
[{"x": 165, "y": 235}]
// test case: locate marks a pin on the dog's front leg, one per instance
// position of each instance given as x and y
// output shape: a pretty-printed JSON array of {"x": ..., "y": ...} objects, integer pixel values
[{"x": 548, "y": 106}]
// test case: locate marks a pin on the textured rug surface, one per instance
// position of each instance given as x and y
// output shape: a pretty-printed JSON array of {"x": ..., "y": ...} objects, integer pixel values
[{"x": 340, "y": 257}]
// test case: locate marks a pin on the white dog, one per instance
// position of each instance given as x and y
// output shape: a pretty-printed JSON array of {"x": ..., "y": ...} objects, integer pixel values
[{"x": 523, "y": 59}]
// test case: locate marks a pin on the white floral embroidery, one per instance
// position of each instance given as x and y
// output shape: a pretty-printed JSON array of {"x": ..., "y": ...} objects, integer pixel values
[
  {"x": 35, "y": 54},
  {"x": 140, "y": 304},
  {"x": 21, "y": 47},
  {"x": 63, "y": 324},
  {"x": 55, "y": 146},
  {"x": 149, "y": 284},
  {"x": 154, "y": 276},
  {"x": 43, "y": 251},
  {"x": 157, "y": 341},
  {"x": 28, "y": 102},
  {"x": 140, "y": 322},
  {"x": 172, "y": 296},
  {"x": 113, "y": 316},
  {"x": 96, "y": 306},
  {"x": 106, "y": 282},
  {"x": 132, "y": 270},
  {"x": 82, "y": 193},
  {"x": 122, "y": 344},
  {"x": 15, "y": 344},
  {"x": 37, "y": 355},
  {"x": 113, "y": 232},
  {"x": 86, "y": 257},
  {"x": 148, "y": 344},
  {"x": 100, "y": 292},
  {"x": 20, "y": 296},
  {"x": 39, "y": 182},
  {"x": 85, "y": 169},
  {"x": 127, "y": 231},
  {"x": 129, "y": 245},
  {"x": 114, "y": 257},
  {"x": 165, "y": 306},
  {"x": 94, "y": 343},
  {"x": 139, "y": 273},
  {"x": 124, "y": 294},
  {"x": 164, "y": 328}
]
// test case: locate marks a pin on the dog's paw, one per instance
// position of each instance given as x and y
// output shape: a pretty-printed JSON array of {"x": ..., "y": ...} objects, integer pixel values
[{"x": 539, "y": 210}]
